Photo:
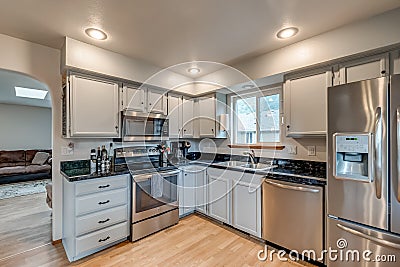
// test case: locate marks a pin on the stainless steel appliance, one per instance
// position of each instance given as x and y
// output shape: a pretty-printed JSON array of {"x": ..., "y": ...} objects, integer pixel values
[
  {"x": 152, "y": 213},
  {"x": 152, "y": 210},
  {"x": 363, "y": 168},
  {"x": 138, "y": 126},
  {"x": 292, "y": 215}
]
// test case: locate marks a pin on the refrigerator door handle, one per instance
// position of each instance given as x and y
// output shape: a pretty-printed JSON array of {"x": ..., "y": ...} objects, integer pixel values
[
  {"x": 378, "y": 153},
  {"x": 296, "y": 188},
  {"x": 398, "y": 151},
  {"x": 366, "y": 236}
]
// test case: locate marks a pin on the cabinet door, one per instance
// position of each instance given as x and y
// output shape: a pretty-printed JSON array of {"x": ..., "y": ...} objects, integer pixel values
[
  {"x": 180, "y": 194},
  {"x": 207, "y": 117},
  {"x": 246, "y": 208},
  {"x": 219, "y": 198},
  {"x": 201, "y": 192},
  {"x": 305, "y": 105},
  {"x": 156, "y": 102},
  {"x": 94, "y": 108},
  {"x": 189, "y": 200},
  {"x": 175, "y": 115},
  {"x": 187, "y": 117},
  {"x": 364, "y": 69},
  {"x": 134, "y": 98}
]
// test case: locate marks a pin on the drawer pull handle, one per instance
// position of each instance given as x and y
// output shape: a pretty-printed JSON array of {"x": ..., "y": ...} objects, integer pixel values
[
  {"x": 104, "y": 221},
  {"x": 103, "y": 186},
  {"x": 105, "y": 239},
  {"x": 104, "y": 202}
]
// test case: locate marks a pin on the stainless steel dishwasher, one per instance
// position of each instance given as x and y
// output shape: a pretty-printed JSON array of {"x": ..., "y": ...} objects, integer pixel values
[{"x": 292, "y": 215}]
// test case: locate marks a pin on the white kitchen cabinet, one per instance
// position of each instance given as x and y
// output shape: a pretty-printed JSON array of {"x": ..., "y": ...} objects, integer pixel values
[
  {"x": 186, "y": 192},
  {"x": 143, "y": 99},
  {"x": 95, "y": 214},
  {"x": 219, "y": 197},
  {"x": 207, "y": 117},
  {"x": 364, "y": 69},
  {"x": 134, "y": 98},
  {"x": 201, "y": 191},
  {"x": 94, "y": 107},
  {"x": 187, "y": 118},
  {"x": 175, "y": 115},
  {"x": 305, "y": 101},
  {"x": 246, "y": 208},
  {"x": 156, "y": 101}
]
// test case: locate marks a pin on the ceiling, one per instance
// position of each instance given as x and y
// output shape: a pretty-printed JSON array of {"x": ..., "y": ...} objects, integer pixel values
[
  {"x": 165, "y": 33},
  {"x": 10, "y": 79}
]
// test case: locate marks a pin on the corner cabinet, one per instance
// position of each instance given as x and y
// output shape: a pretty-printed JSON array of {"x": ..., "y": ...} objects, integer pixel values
[
  {"x": 305, "y": 104},
  {"x": 91, "y": 108},
  {"x": 209, "y": 109}
]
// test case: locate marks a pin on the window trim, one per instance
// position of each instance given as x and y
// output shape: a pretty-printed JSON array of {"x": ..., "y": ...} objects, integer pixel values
[{"x": 259, "y": 93}]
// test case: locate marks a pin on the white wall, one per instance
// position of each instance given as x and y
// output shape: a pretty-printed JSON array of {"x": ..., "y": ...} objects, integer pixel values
[{"x": 25, "y": 127}]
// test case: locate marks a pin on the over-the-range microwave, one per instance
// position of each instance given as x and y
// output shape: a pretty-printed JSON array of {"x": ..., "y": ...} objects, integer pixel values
[{"x": 137, "y": 126}]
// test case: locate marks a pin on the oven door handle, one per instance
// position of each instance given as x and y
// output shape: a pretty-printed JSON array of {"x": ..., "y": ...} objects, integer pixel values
[{"x": 144, "y": 177}]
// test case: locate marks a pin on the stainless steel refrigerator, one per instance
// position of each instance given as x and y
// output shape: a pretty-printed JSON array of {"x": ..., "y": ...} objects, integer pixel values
[{"x": 363, "y": 173}]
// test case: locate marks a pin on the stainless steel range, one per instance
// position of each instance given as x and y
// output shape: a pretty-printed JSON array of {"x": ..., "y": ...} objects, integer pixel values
[{"x": 154, "y": 190}]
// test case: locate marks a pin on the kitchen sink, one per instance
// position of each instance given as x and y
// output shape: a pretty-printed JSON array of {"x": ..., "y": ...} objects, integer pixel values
[
  {"x": 233, "y": 163},
  {"x": 246, "y": 166}
]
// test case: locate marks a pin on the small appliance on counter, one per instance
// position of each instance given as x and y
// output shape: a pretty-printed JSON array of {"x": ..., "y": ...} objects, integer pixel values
[{"x": 179, "y": 150}]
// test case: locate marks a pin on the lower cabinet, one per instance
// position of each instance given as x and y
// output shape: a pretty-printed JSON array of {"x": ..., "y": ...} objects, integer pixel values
[
  {"x": 246, "y": 208},
  {"x": 219, "y": 198},
  {"x": 95, "y": 214},
  {"x": 235, "y": 198},
  {"x": 186, "y": 192},
  {"x": 201, "y": 192}
]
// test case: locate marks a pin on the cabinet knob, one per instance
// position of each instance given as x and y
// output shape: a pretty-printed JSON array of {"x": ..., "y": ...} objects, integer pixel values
[
  {"x": 143, "y": 103},
  {"x": 212, "y": 130}
]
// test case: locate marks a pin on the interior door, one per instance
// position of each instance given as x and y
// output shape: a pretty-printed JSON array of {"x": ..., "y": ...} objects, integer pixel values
[
  {"x": 395, "y": 152},
  {"x": 360, "y": 107}
]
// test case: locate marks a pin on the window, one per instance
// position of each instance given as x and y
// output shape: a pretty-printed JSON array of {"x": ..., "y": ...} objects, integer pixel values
[{"x": 256, "y": 117}]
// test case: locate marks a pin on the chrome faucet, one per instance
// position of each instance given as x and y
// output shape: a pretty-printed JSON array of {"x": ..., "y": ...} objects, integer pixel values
[{"x": 252, "y": 156}]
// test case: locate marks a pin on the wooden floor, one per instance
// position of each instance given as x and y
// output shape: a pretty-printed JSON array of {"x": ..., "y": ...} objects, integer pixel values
[
  {"x": 25, "y": 223},
  {"x": 195, "y": 241}
]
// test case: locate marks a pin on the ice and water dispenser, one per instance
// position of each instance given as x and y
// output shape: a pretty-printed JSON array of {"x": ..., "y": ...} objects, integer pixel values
[{"x": 353, "y": 156}]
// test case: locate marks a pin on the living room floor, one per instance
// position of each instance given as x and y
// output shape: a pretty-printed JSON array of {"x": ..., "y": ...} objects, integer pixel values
[
  {"x": 195, "y": 241},
  {"x": 25, "y": 223}
]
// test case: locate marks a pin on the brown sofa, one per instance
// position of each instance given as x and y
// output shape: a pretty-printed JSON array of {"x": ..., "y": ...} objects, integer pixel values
[{"x": 15, "y": 166}]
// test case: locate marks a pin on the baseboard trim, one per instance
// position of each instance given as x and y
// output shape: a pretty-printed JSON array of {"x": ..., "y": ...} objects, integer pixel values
[{"x": 56, "y": 242}]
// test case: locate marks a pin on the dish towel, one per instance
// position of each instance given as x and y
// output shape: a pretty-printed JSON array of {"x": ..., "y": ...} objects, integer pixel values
[{"x": 156, "y": 185}]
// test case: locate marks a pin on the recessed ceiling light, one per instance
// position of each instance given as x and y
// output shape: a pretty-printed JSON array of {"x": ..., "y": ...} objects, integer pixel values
[
  {"x": 194, "y": 70},
  {"x": 96, "y": 34},
  {"x": 30, "y": 93},
  {"x": 248, "y": 86},
  {"x": 287, "y": 32}
]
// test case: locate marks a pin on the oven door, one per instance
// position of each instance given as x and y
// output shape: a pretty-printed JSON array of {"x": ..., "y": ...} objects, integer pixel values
[{"x": 144, "y": 205}]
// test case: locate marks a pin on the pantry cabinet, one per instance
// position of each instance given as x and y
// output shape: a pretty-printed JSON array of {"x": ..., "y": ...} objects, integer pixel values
[
  {"x": 305, "y": 103},
  {"x": 90, "y": 108}
]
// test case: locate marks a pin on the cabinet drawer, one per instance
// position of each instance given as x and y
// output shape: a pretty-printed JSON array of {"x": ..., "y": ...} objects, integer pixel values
[
  {"x": 101, "y": 185},
  {"x": 101, "y": 219},
  {"x": 101, "y": 238},
  {"x": 101, "y": 201}
]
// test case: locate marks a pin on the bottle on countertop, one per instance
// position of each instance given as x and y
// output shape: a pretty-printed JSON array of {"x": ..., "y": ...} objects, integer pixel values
[
  {"x": 93, "y": 161},
  {"x": 98, "y": 160},
  {"x": 111, "y": 157},
  {"x": 104, "y": 153}
]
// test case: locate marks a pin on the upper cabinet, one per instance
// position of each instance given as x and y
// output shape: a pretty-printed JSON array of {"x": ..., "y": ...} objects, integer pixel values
[
  {"x": 133, "y": 98},
  {"x": 90, "y": 108},
  {"x": 363, "y": 69},
  {"x": 187, "y": 118},
  {"x": 305, "y": 100},
  {"x": 209, "y": 110},
  {"x": 143, "y": 99},
  {"x": 175, "y": 115}
]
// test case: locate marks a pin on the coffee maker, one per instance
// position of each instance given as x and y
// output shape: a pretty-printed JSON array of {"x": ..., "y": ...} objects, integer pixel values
[{"x": 179, "y": 150}]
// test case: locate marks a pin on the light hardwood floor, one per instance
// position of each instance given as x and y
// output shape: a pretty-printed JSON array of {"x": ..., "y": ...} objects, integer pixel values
[
  {"x": 25, "y": 223},
  {"x": 195, "y": 241}
]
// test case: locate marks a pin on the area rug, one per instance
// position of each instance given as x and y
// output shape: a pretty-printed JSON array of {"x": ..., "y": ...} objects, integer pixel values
[{"x": 23, "y": 188}]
